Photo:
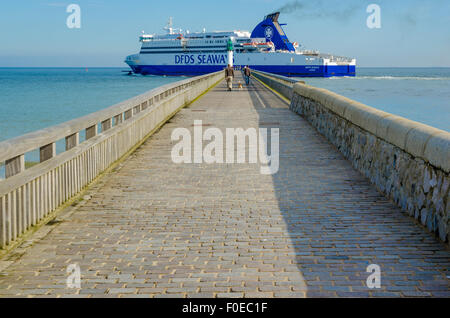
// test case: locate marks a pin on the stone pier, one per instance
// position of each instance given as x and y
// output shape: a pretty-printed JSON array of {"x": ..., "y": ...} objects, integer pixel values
[{"x": 152, "y": 228}]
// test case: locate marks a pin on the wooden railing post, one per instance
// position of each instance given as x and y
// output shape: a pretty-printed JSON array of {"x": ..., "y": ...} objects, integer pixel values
[
  {"x": 3, "y": 223},
  {"x": 14, "y": 166}
]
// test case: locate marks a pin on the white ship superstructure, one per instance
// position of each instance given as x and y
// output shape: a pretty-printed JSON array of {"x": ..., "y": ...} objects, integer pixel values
[{"x": 267, "y": 49}]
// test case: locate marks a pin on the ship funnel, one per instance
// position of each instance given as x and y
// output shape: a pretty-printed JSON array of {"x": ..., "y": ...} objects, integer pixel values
[
  {"x": 271, "y": 30},
  {"x": 273, "y": 16}
]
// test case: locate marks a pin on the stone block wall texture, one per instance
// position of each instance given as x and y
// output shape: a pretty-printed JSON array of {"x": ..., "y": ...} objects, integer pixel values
[{"x": 408, "y": 161}]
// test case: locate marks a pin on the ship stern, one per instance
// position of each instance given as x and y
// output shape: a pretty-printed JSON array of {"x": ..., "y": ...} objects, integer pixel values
[{"x": 339, "y": 67}]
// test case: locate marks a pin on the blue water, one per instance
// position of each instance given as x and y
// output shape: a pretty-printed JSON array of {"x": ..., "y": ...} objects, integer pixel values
[
  {"x": 36, "y": 98},
  {"x": 420, "y": 94}
]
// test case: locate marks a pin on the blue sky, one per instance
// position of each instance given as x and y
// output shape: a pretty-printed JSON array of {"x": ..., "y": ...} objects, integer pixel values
[{"x": 34, "y": 32}]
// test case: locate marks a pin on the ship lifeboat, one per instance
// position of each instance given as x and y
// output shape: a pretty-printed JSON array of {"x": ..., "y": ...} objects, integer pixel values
[
  {"x": 258, "y": 45},
  {"x": 267, "y": 45}
]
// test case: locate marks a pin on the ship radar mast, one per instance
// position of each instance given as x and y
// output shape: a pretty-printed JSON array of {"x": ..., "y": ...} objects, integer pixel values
[{"x": 169, "y": 27}]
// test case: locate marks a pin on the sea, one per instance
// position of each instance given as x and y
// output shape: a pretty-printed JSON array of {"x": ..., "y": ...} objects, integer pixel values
[
  {"x": 419, "y": 94},
  {"x": 36, "y": 98}
]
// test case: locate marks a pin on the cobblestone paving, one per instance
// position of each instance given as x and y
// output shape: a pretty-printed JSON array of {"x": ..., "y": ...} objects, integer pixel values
[{"x": 153, "y": 228}]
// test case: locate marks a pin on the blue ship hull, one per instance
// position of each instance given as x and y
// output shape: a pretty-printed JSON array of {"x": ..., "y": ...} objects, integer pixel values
[{"x": 288, "y": 70}]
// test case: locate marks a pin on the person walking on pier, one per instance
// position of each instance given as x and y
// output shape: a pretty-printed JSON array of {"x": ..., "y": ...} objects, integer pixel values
[
  {"x": 229, "y": 75},
  {"x": 247, "y": 74}
]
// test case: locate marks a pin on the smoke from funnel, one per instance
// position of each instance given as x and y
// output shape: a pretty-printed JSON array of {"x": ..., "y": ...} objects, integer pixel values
[
  {"x": 291, "y": 7},
  {"x": 318, "y": 9}
]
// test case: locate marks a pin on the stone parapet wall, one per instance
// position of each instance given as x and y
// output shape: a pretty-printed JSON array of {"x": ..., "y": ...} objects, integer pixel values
[
  {"x": 279, "y": 83},
  {"x": 408, "y": 161}
]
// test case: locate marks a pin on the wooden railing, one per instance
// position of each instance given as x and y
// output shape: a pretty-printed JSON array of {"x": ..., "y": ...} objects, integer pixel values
[{"x": 27, "y": 196}]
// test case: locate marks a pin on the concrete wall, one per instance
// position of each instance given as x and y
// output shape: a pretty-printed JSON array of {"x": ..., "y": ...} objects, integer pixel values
[
  {"x": 408, "y": 161},
  {"x": 279, "y": 83}
]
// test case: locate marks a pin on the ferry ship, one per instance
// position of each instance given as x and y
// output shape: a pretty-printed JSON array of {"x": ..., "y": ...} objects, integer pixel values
[{"x": 267, "y": 48}]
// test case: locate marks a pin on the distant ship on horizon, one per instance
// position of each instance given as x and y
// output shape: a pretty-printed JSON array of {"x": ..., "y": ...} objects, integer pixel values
[{"x": 266, "y": 48}]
